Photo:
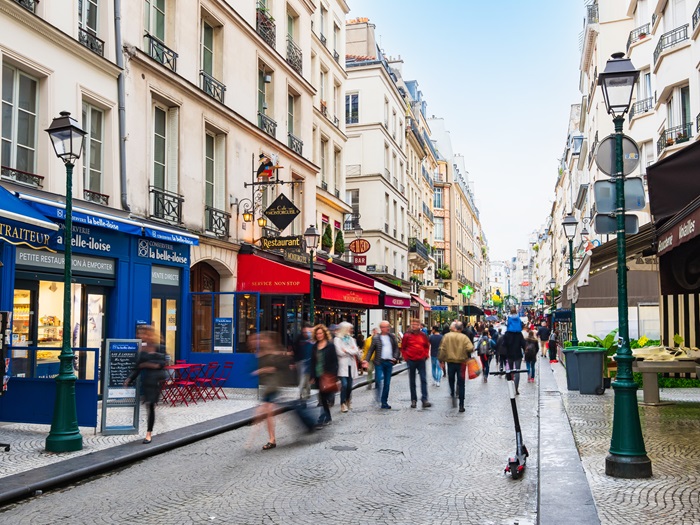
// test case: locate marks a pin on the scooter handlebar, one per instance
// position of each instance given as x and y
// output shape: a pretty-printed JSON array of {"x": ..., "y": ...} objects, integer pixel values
[{"x": 504, "y": 372}]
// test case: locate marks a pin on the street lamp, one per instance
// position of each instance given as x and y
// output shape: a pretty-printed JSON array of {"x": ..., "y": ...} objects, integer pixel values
[
  {"x": 570, "y": 224},
  {"x": 627, "y": 457},
  {"x": 67, "y": 139},
  {"x": 552, "y": 286},
  {"x": 311, "y": 236}
]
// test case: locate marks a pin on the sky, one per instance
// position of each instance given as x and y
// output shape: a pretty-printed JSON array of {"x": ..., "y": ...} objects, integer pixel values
[{"x": 503, "y": 74}]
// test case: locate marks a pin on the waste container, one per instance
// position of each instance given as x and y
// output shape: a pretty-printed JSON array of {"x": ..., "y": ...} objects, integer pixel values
[
  {"x": 590, "y": 369},
  {"x": 571, "y": 363}
]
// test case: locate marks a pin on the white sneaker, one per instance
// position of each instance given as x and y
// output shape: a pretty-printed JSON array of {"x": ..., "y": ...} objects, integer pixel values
[
  {"x": 343, "y": 407},
  {"x": 437, "y": 384}
]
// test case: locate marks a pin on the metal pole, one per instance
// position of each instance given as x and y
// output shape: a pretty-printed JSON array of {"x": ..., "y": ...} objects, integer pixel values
[
  {"x": 574, "y": 338},
  {"x": 64, "y": 435},
  {"x": 311, "y": 288},
  {"x": 628, "y": 457}
]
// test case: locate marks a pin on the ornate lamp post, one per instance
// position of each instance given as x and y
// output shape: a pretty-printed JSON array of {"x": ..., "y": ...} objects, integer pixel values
[
  {"x": 627, "y": 457},
  {"x": 67, "y": 139},
  {"x": 311, "y": 236},
  {"x": 570, "y": 224}
]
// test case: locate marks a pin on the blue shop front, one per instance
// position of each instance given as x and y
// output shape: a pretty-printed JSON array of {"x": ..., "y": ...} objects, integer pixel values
[{"x": 125, "y": 272}]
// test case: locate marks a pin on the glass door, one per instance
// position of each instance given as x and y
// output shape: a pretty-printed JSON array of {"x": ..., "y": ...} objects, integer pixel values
[{"x": 164, "y": 317}]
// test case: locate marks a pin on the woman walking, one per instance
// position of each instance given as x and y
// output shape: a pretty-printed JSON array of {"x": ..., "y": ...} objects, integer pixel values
[
  {"x": 149, "y": 365},
  {"x": 346, "y": 348},
  {"x": 484, "y": 347},
  {"x": 531, "y": 349},
  {"x": 324, "y": 362}
]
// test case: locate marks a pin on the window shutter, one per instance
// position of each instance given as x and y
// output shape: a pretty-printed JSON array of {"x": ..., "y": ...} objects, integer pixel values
[
  {"x": 172, "y": 145},
  {"x": 220, "y": 171}
]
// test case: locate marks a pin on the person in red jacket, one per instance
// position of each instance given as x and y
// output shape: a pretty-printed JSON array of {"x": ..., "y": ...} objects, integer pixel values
[{"x": 415, "y": 348}]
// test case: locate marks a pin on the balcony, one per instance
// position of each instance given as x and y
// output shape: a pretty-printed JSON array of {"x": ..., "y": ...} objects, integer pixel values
[
  {"x": 217, "y": 222},
  {"x": 90, "y": 40},
  {"x": 387, "y": 174},
  {"x": 428, "y": 213},
  {"x": 670, "y": 39},
  {"x": 675, "y": 135},
  {"x": 294, "y": 55},
  {"x": 638, "y": 34},
  {"x": 416, "y": 246},
  {"x": 336, "y": 56},
  {"x": 295, "y": 144},
  {"x": 402, "y": 189},
  {"x": 23, "y": 177},
  {"x": 29, "y": 5},
  {"x": 336, "y": 122},
  {"x": 697, "y": 123},
  {"x": 351, "y": 222},
  {"x": 212, "y": 87},
  {"x": 324, "y": 185},
  {"x": 268, "y": 125},
  {"x": 696, "y": 16},
  {"x": 166, "y": 205},
  {"x": 641, "y": 106},
  {"x": 336, "y": 192},
  {"x": 395, "y": 182},
  {"x": 394, "y": 233},
  {"x": 97, "y": 198},
  {"x": 592, "y": 14},
  {"x": 264, "y": 25},
  {"x": 161, "y": 53},
  {"x": 427, "y": 177},
  {"x": 322, "y": 38},
  {"x": 386, "y": 228}
]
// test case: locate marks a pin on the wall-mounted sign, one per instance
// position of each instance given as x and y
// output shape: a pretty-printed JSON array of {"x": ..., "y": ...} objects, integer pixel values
[
  {"x": 297, "y": 257},
  {"x": 282, "y": 212},
  {"x": 418, "y": 271},
  {"x": 359, "y": 246},
  {"x": 163, "y": 251},
  {"x": 223, "y": 334},
  {"x": 359, "y": 260},
  {"x": 25, "y": 257},
  {"x": 281, "y": 243}
]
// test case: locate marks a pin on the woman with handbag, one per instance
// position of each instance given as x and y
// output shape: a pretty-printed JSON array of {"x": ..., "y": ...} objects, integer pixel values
[
  {"x": 324, "y": 370},
  {"x": 346, "y": 348}
]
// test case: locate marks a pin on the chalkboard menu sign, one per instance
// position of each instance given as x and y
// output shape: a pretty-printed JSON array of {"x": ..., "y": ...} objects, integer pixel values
[
  {"x": 120, "y": 359},
  {"x": 223, "y": 334}
]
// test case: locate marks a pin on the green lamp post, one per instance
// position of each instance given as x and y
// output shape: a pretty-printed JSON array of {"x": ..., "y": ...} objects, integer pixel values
[
  {"x": 570, "y": 224},
  {"x": 311, "y": 236},
  {"x": 552, "y": 286},
  {"x": 627, "y": 457},
  {"x": 67, "y": 139}
]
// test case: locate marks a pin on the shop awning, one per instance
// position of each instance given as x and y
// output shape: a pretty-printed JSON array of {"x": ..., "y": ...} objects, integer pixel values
[
  {"x": 20, "y": 224},
  {"x": 674, "y": 182},
  {"x": 393, "y": 298},
  {"x": 258, "y": 274},
  {"x": 421, "y": 302},
  {"x": 679, "y": 229},
  {"x": 470, "y": 309},
  {"x": 335, "y": 289}
]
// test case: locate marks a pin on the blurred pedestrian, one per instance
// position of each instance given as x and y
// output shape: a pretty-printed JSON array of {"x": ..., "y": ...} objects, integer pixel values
[
  {"x": 552, "y": 344},
  {"x": 384, "y": 351},
  {"x": 455, "y": 349},
  {"x": 324, "y": 361},
  {"x": 369, "y": 364},
  {"x": 543, "y": 336},
  {"x": 302, "y": 354},
  {"x": 346, "y": 348},
  {"x": 415, "y": 348},
  {"x": 485, "y": 348},
  {"x": 512, "y": 349},
  {"x": 150, "y": 364},
  {"x": 435, "y": 340},
  {"x": 531, "y": 352}
]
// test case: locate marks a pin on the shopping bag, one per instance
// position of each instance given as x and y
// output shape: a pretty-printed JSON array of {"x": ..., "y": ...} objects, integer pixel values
[{"x": 473, "y": 368}]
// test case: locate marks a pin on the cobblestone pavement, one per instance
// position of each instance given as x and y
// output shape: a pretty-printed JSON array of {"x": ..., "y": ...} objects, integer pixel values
[
  {"x": 672, "y": 439},
  {"x": 371, "y": 466},
  {"x": 27, "y": 441}
]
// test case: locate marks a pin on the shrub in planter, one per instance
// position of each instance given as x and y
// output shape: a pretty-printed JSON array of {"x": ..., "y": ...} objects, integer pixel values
[{"x": 327, "y": 239}]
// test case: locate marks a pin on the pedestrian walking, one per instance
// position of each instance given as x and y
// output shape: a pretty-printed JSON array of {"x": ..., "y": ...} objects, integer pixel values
[
  {"x": 302, "y": 354},
  {"x": 384, "y": 351},
  {"x": 485, "y": 348},
  {"x": 435, "y": 340},
  {"x": 552, "y": 344},
  {"x": 415, "y": 348},
  {"x": 543, "y": 336},
  {"x": 455, "y": 349},
  {"x": 150, "y": 364},
  {"x": 369, "y": 364},
  {"x": 513, "y": 346},
  {"x": 346, "y": 348},
  {"x": 531, "y": 352},
  {"x": 324, "y": 361}
]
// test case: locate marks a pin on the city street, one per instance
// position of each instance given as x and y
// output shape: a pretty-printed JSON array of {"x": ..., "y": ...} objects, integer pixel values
[{"x": 370, "y": 466}]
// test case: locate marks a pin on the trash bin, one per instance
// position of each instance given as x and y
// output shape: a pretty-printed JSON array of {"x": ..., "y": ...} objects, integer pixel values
[
  {"x": 571, "y": 363},
  {"x": 590, "y": 369}
]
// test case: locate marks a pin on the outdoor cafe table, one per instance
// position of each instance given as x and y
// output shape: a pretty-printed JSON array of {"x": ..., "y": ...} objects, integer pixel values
[{"x": 179, "y": 385}]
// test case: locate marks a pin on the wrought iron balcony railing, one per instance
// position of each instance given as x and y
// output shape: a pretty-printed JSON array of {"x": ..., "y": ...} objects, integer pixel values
[
  {"x": 386, "y": 228},
  {"x": 159, "y": 52},
  {"x": 336, "y": 192},
  {"x": 402, "y": 189},
  {"x": 264, "y": 25},
  {"x": 697, "y": 123},
  {"x": 351, "y": 222},
  {"x": 654, "y": 16},
  {"x": 670, "y": 39},
  {"x": 674, "y": 135},
  {"x": 166, "y": 205},
  {"x": 395, "y": 182},
  {"x": 416, "y": 246},
  {"x": 336, "y": 122},
  {"x": 428, "y": 213},
  {"x": 90, "y": 40},
  {"x": 266, "y": 124},
  {"x": 23, "y": 177},
  {"x": 217, "y": 222},
  {"x": 377, "y": 268},
  {"x": 295, "y": 144},
  {"x": 322, "y": 38},
  {"x": 592, "y": 14},
  {"x": 324, "y": 185},
  {"x": 641, "y": 106},
  {"x": 212, "y": 87},
  {"x": 97, "y": 198},
  {"x": 29, "y": 5},
  {"x": 637, "y": 34},
  {"x": 696, "y": 16},
  {"x": 294, "y": 55},
  {"x": 336, "y": 56}
]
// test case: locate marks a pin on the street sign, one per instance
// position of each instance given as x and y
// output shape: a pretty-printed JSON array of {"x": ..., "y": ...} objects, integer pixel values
[
  {"x": 606, "y": 195},
  {"x": 605, "y": 156},
  {"x": 359, "y": 246},
  {"x": 359, "y": 260},
  {"x": 439, "y": 308},
  {"x": 604, "y": 224}
]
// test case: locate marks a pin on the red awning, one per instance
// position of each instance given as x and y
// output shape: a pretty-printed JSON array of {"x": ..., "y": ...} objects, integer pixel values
[
  {"x": 258, "y": 274},
  {"x": 335, "y": 289},
  {"x": 421, "y": 302}
]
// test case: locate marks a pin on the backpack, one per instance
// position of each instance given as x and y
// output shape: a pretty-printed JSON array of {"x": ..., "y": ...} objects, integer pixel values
[
  {"x": 514, "y": 324},
  {"x": 531, "y": 349},
  {"x": 484, "y": 346}
]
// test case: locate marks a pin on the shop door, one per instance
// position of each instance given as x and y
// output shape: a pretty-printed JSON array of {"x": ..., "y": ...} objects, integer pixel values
[{"x": 164, "y": 316}]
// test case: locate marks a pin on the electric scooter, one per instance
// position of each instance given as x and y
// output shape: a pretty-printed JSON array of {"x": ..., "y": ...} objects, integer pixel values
[{"x": 516, "y": 464}]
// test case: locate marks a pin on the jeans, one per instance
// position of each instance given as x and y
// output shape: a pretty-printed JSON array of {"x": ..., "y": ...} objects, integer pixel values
[
  {"x": 530, "y": 369},
  {"x": 515, "y": 365},
  {"x": 345, "y": 389},
  {"x": 413, "y": 366},
  {"x": 454, "y": 371},
  {"x": 437, "y": 369},
  {"x": 303, "y": 377},
  {"x": 325, "y": 416},
  {"x": 382, "y": 372},
  {"x": 485, "y": 364}
]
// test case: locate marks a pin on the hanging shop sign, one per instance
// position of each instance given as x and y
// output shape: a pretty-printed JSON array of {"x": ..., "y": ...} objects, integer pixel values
[
  {"x": 281, "y": 243},
  {"x": 359, "y": 260},
  {"x": 282, "y": 212},
  {"x": 359, "y": 246}
]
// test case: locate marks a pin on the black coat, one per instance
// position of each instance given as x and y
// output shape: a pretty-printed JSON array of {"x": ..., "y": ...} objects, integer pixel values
[
  {"x": 330, "y": 360},
  {"x": 513, "y": 345},
  {"x": 151, "y": 378}
]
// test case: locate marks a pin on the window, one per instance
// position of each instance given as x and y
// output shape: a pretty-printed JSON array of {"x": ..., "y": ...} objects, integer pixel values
[
  {"x": 352, "y": 108},
  {"x": 437, "y": 198},
  {"x": 336, "y": 37},
  {"x": 264, "y": 88},
  {"x": 685, "y": 106},
  {"x": 93, "y": 124},
  {"x": 209, "y": 169},
  {"x": 336, "y": 171},
  {"x": 154, "y": 18},
  {"x": 439, "y": 257},
  {"x": 207, "y": 49},
  {"x": 439, "y": 228},
  {"x": 165, "y": 148},
  {"x": 386, "y": 113},
  {"x": 87, "y": 15},
  {"x": 322, "y": 23},
  {"x": 19, "y": 114},
  {"x": 291, "y": 102},
  {"x": 322, "y": 165},
  {"x": 159, "y": 148}
]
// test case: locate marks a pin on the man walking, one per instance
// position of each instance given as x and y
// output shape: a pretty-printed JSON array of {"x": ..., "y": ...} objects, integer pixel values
[
  {"x": 384, "y": 351},
  {"x": 543, "y": 336},
  {"x": 455, "y": 349},
  {"x": 415, "y": 348},
  {"x": 435, "y": 340}
]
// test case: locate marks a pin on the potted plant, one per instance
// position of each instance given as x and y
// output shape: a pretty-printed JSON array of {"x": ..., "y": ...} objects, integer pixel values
[
  {"x": 609, "y": 343},
  {"x": 339, "y": 246},
  {"x": 327, "y": 239},
  {"x": 642, "y": 35},
  {"x": 682, "y": 136},
  {"x": 669, "y": 141}
]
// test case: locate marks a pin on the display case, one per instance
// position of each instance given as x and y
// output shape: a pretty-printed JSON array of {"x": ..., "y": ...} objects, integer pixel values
[{"x": 22, "y": 318}]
